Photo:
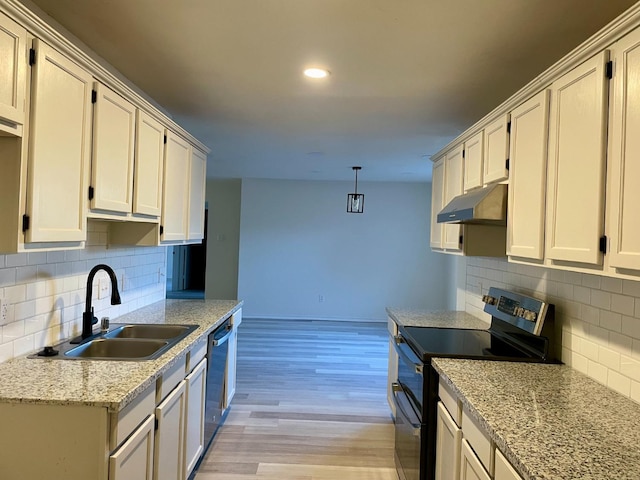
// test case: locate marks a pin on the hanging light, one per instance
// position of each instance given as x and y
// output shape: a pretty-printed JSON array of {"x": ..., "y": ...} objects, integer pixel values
[{"x": 355, "y": 201}]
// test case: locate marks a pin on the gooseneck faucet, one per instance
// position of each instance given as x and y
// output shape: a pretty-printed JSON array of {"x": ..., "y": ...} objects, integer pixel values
[{"x": 88, "y": 318}]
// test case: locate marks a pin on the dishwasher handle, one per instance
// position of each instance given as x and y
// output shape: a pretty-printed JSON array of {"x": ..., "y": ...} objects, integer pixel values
[{"x": 221, "y": 335}]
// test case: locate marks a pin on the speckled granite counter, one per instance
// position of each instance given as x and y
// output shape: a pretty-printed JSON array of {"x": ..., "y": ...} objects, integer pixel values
[
  {"x": 550, "y": 421},
  {"x": 112, "y": 384},
  {"x": 446, "y": 319}
]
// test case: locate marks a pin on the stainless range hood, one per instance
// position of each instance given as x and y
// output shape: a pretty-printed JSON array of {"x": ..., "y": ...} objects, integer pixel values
[{"x": 486, "y": 206}]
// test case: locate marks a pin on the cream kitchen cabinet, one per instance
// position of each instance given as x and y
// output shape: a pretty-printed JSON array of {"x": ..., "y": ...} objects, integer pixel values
[
  {"x": 114, "y": 132},
  {"x": 392, "y": 367},
  {"x": 134, "y": 459},
  {"x": 169, "y": 444},
  {"x": 232, "y": 356},
  {"x": 448, "y": 446},
  {"x": 470, "y": 466},
  {"x": 59, "y": 148},
  {"x": 504, "y": 470},
  {"x": 528, "y": 175},
  {"x": 196, "y": 393},
  {"x": 13, "y": 76},
  {"x": 473, "y": 161},
  {"x": 496, "y": 150},
  {"x": 453, "y": 186},
  {"x": 623, "y": 166},
  {"x": 437, "y": 203},
  {"x": 149, "y": 166},
  {"x": 576, "y": 168},
  {"x": 197, "y": 185},
  {"x": 175, "y": 199}
]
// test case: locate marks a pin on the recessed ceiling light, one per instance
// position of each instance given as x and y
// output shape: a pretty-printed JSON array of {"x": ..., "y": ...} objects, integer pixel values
[{"x": 316, "y": 73}]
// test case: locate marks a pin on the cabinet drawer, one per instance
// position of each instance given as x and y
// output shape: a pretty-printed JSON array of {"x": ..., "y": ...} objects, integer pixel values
[
  {"x": 196, "y": 354},
  {"x": 451, "y": 402},
  {"x": 133, "y": 414},
  {"x": 171, "y": 378},
  {"x": 478, "y": 440}
]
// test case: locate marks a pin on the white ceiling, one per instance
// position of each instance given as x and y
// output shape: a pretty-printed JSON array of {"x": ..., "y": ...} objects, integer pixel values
[{"x": 407, "y": 75}]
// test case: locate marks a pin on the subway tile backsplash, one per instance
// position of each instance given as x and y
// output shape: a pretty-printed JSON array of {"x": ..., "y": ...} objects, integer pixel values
[
  {"x": 599, "y": 316},
  {"x": 46, "y": 291}
]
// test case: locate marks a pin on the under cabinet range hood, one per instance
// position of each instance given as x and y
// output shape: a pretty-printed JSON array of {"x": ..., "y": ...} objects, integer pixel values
[{"x": 487, "y": 206}]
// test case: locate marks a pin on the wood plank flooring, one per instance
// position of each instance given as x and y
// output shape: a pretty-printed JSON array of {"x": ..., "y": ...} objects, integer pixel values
[{"x": 310, "y": 405}]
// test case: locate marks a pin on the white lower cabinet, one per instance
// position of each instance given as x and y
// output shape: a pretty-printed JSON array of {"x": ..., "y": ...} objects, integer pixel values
[
  {"x": 196, "y": 393},
  {"x": 470, "y": 465},
  {"x": 133, "y": 460},
  {"x": 168, "y": 456},
  {"x": 232, "y": 355},
  {"x": 504, "y": 470},
  {"x": 448, "y": 445},
  {"x": 392, "y": 375}
]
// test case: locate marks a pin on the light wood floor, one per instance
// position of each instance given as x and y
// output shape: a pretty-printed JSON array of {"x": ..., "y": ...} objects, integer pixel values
[{"x": 310, "y": 405}]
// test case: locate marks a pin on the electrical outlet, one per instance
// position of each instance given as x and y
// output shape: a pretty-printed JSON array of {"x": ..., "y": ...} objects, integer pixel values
[
  {"x": 103, "y": 288},
  {"x": 320, "y": 298},
  {"x": 4, "y": 307}
]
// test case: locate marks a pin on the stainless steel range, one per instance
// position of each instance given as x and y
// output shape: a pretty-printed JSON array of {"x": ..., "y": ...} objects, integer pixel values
[{"x": 521, "y": 331}]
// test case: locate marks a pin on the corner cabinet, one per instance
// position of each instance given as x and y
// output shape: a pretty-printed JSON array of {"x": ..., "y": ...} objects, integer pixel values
[
  {"x": 528, "y": 176},
  {"x": 577, "y": 159},
  {"x": 13, "y": 75},
  {"x": 59, "y": 148}
]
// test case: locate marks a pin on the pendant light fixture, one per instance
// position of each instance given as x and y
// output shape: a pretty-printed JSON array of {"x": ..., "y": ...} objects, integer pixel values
[{"x": 355, "y": 201}]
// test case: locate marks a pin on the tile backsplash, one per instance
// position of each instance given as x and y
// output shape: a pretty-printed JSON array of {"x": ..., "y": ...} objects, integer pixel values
[
  {"x": 46, "y": 291},
  {"x": 599, "y": 316}
]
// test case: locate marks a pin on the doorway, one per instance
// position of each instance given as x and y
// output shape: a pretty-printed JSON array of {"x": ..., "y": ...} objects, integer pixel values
[{"x": 186, "y": 268}]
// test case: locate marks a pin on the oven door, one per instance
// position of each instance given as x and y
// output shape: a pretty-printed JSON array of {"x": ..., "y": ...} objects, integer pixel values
[
  {"x": 408, "y": 433},
  {"x": 410, "y": 373}
]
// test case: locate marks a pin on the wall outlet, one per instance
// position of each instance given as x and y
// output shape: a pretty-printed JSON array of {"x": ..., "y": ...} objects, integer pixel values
[
  {"x": 320, "y": 298},
  {"x": 103, "y": 288},
  {"x": 4, "y": 307}
]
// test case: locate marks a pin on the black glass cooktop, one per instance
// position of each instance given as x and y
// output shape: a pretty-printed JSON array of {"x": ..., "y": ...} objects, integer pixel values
[{"x": 430, "y": 342}]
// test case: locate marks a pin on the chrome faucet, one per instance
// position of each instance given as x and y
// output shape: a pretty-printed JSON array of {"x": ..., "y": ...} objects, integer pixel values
[{"x": 88, "y": 318}]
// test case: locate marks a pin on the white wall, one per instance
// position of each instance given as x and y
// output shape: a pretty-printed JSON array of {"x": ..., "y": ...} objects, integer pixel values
[
  {"x": 298, "y": 243},
  {"x": 223, "y": 238},
  {"x": 46, "y": 291},
  {"x": 599, "y": 316}
]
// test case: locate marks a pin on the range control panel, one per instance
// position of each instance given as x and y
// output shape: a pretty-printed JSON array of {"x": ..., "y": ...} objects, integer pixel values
[{"x": 523, "y": 311}]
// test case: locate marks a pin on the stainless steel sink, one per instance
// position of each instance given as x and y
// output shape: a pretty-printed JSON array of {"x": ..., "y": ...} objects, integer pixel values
[
  {"x": 131, "y": 342},
  {"x": 118, "y": 349},
  {"x": 158, "y": 332}
]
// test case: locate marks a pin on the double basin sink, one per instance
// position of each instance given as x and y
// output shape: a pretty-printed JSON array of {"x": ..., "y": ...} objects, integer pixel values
[{"x": 131, "y": 342}]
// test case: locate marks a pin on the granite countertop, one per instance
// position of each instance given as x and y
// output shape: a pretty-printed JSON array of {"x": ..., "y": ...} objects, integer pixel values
[
  {"x": 550, "y": 421},
  {"x": 443, "y": 319},
  {"x": 111, "y": 384}
]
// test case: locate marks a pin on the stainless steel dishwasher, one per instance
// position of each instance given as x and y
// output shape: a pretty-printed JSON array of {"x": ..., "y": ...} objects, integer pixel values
[{"x": 217, "y": 350}]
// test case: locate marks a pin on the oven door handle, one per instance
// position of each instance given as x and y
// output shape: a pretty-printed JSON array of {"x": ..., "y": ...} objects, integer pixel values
[
  {"x": 397, "y": 388},
  {"x": 413, "y": 362}
]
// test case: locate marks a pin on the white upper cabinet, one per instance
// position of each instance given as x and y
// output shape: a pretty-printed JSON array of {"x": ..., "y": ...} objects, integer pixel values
[
  {"x": 437, "y": 202},
  {"x": 452, "y": 188},
  {"x": 175, "y": 203},
  {"x": 527, "y": 178},
  {"x": 114, "y": 123},
  {"x": 496, "y": 150},
  {"x": 13, "y": 75},
  {"x": 473, "y": 165},
  {"x": 577, "y": 155},
  {"x": 623, "y": 165},
  {"x": 59, "y": 148},
  {"x": 149, "y": 161},
  {"x": 196, "y": 194}
]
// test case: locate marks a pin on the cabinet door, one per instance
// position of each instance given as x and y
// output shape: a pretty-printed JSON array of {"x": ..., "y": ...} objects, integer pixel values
[
  {"x": 168, "y": 455},
  {"x": 392, "y": 369},
  {"x": 448, "y": 444},
  {"x": 437, "y": 202},
  {"x": 623, "y": 165},
  {"x": 577, "y": 149},
  {"x": 147, "y": 185},
  {"x": 194, "y": 433},
  {"x": 175, "y": 201},
  {"x": 504, "y": 470},
  {"x": 470, "y": 466},
  {"x": 453, "y": 188},
  {"x": 113, "y": 145},
  {"x": 528, "y": 176},
  {"x": 496, "y": 150},
  {"x": 232, "y": 360},
  {"x": 196, "y": 194},
  {"x": 473, "y": 165},
  {"x": 13, "y": 71},
  {"x": 60, "y": 140},
  {"x": 134, "y": 459}
]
